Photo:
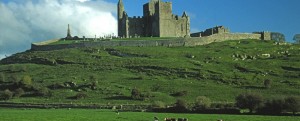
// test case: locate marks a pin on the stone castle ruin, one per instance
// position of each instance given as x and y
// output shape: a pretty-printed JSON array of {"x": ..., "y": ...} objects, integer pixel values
[{"x": 157, "y": 21}]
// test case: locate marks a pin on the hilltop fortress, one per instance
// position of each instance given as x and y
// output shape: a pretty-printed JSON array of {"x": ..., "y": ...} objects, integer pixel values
[{"x": 157, "y": 21}]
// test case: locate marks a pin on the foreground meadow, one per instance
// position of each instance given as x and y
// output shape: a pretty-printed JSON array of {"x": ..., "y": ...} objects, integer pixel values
[{"x": 108, "y": 115}]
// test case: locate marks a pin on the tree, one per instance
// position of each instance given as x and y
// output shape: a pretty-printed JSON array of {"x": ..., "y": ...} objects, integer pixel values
[
  {"x": 292, "y": 104},
  {"x": 6, "y": 94},
  {"x": 180, "y": 106},
  {"x": 297, "y": 38},
  {"x": 267, "y": 83},
  {"x": 135, "y": 94},
  {"x": 275, "y": 106},
  {"x": 202, "y": 102},
  {"x": 249, "y": 101}
]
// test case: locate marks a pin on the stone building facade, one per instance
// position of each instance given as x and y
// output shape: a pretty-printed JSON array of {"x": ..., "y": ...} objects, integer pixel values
[{"x": 157, "y": 21}]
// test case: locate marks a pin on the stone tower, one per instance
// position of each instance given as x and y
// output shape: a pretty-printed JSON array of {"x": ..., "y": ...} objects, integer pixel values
[
  {"x": 120, "y": 17},
  {"x": 69, "y": 33},
  {"x": 157, "y": 21}
]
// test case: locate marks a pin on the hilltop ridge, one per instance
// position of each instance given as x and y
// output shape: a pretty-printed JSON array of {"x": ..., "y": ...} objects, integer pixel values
[{"x": 108, "y": 74}]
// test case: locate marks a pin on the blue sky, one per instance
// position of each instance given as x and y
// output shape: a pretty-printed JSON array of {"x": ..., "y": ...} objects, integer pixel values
[{"x": 23, "y": 22}]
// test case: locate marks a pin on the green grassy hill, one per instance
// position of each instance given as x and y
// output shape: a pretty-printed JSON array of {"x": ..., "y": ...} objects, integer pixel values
[{"x": 219, "y": 71}]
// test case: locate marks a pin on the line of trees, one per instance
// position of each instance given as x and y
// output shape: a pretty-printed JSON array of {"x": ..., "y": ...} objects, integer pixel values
[{"x": 253, "y": 102}]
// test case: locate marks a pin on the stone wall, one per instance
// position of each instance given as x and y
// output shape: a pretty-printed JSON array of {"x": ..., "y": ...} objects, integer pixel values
[
  {"x": 135, "y": 43},
  {"x": 211, "y": 31},
  {"x": 194, "y": 41}
]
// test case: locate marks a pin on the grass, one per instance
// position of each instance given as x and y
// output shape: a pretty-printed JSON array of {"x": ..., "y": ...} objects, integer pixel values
[
  {"x": 107, "y": 115},
  {"x": 219, "y": 71}
]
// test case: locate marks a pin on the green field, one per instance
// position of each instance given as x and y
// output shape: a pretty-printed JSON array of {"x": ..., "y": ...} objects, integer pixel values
[
  {"x": 219, "y": 71},
  {"x": 106, "y": 115}
]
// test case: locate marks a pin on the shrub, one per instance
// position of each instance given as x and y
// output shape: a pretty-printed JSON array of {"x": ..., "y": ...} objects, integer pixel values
[
  {"x": 43, "y": 91},
  {"x": 26, "y": 81},
  {"x": 267, "y": 83},
  {"x": 15, "y": 79},
  {"x": 81, "y": 95},
  {"x": 94, "y": 85},
  {"x": 6, "y": 94},
  {"x": 158, "y": 104},
  {"x": 292, "y": 104},
  {"x": 19, "y": 92},
  {"x": 135, "y": 94},
  {"x": 180, "y": 106},
  {"x": 202, "y": 102},
  {"x": 249, "y": 101}
]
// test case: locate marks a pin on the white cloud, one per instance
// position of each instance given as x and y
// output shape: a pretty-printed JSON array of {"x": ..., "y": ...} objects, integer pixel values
[
  {"x": 24, "y": 22},
  {"x": 83, "y": 0}
]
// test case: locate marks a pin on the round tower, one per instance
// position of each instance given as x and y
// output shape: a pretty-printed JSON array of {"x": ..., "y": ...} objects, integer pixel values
[{"x": 120, "y": 17}]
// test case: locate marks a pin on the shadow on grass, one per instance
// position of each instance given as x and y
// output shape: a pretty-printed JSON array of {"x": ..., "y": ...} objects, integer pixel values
[
  {"x": 253, "y": 87},
  {"x": 119, "y": 98}
]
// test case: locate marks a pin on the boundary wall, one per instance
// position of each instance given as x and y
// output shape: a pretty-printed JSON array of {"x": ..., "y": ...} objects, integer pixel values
[{"x": 193, "y": 41}]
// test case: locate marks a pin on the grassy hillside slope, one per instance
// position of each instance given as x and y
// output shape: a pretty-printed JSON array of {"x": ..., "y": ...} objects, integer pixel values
[{"x": 219, "y": 71}]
